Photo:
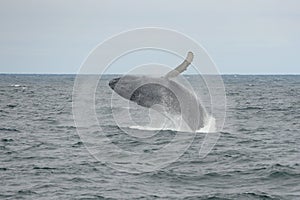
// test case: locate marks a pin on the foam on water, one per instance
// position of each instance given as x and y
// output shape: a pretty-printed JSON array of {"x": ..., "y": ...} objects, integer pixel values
[
  {"x": 176, "y": 123},
  {"x": 209, "y": 127}
]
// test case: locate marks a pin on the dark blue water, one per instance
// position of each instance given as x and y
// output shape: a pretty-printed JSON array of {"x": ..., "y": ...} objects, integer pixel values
[{"x": 256, "y": 157}]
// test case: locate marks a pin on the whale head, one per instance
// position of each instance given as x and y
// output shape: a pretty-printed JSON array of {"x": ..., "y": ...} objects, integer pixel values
[{"x": 125, "y": 86}]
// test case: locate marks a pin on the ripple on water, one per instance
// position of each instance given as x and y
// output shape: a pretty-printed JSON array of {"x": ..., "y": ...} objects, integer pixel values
[{"x": 42, "y": 156}]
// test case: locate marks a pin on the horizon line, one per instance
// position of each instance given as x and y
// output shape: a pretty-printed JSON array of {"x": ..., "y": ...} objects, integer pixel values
[{"x": 141, "y": 74}]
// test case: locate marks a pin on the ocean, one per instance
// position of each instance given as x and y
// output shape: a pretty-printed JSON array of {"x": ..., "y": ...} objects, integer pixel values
[{"x": 42, "y": 156}]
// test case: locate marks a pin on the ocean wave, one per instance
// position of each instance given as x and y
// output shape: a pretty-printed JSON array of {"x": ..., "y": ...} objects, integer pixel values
[
  {"x": 278, "y": 171},
  {"x": 7, "y": 140},
  {"x": 45, "y": 168},
  {"x": 11, "y": 105},
  {"x": 17, "y": 85},
  {"x": 9, "y": 130},
  {"x": 77, "y": 144},
  {"x": 250, "y": 108},
  {"x": 245, "y": 195},
  {"x": 26, "y": 192}
]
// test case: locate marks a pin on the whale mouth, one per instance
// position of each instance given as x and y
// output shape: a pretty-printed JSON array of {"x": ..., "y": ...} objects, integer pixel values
[{"x": 112, "y": 83}]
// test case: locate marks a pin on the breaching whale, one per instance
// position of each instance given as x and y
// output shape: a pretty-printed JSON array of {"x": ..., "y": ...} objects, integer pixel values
[{"x": 164, "y": 91}]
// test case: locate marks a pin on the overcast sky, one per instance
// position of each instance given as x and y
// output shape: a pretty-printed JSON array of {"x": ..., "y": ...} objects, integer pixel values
[{"x": 241, "y": 36}]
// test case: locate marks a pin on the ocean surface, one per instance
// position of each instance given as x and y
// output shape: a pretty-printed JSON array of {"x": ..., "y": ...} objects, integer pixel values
[{"x": 42, "y": 157}]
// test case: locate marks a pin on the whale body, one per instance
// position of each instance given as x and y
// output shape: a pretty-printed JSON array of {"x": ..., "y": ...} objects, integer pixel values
[{"x": 164, "y": 91}]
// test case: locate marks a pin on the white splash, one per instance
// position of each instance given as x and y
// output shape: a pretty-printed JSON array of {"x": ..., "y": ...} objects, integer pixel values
[
  {"x": 176, "y": 123},
  {"x": 209, "y": 127}
]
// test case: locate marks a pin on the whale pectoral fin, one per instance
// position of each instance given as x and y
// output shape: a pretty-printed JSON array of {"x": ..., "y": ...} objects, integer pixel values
[{"x": 182, "y": 67}]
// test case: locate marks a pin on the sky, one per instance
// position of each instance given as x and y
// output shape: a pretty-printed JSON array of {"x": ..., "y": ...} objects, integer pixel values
[{"x": 241, "y": 36}]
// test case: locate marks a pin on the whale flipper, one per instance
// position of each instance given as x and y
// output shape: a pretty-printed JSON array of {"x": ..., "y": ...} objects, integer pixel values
[{"x": 182, "y": 67}]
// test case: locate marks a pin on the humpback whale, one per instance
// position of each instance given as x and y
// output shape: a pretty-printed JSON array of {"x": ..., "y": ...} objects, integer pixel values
[{"x": 164, "y": 91}]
